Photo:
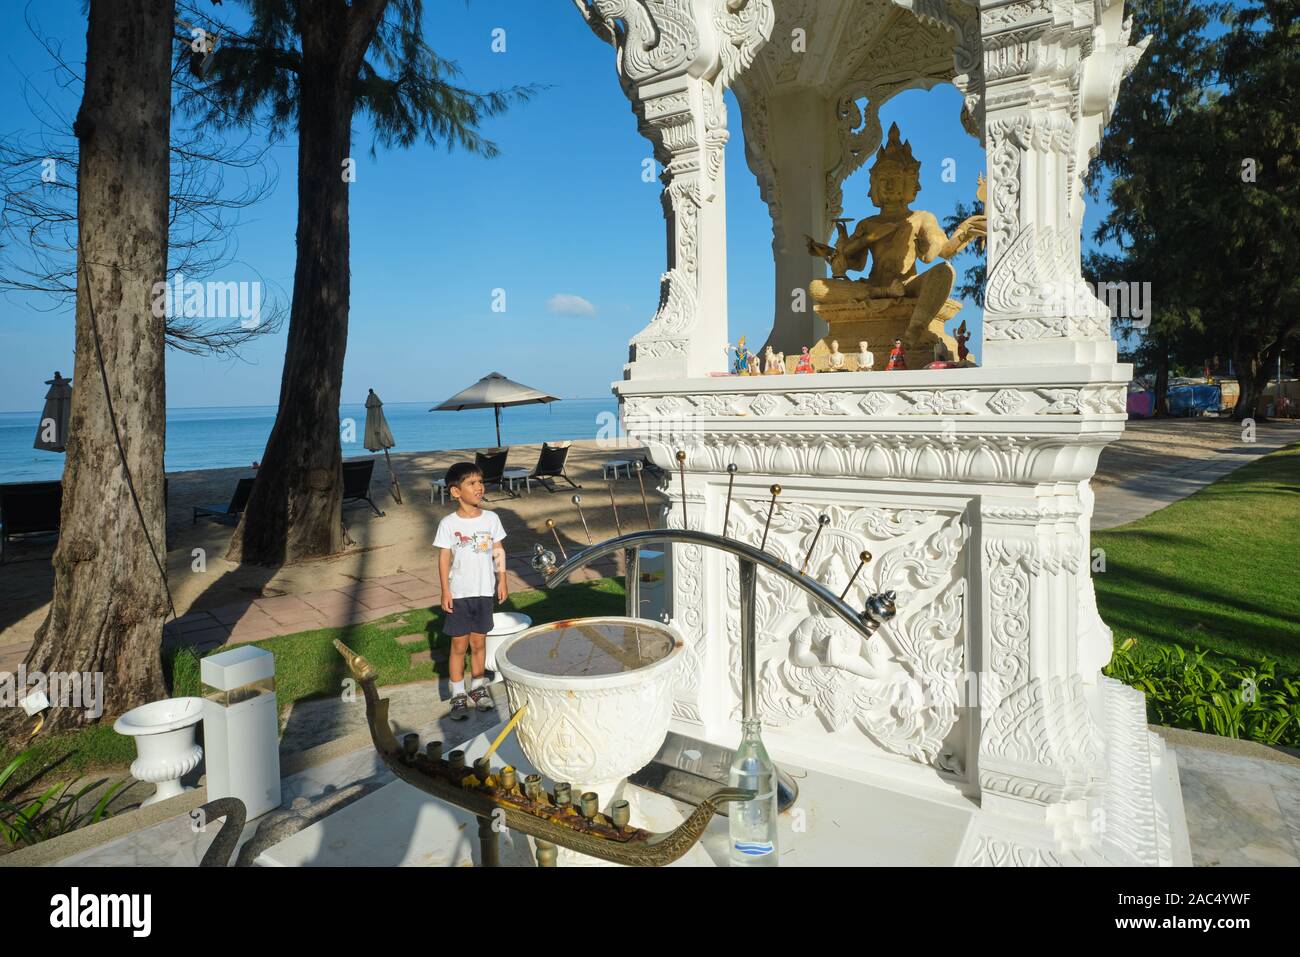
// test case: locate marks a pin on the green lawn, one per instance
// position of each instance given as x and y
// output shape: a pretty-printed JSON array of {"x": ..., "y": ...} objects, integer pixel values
[
  {"x": 307, "y": 665},
  {"x": 1219, "y": 570}
]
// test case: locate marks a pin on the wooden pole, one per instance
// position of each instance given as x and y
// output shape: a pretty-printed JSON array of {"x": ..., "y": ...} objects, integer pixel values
[{"x": 392, "y": 477}]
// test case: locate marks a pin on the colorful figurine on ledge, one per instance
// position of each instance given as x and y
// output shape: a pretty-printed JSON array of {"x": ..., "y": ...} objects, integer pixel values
[
  {"x": 804, "y": 364},
  {"x": 962, "y": 337},
  {"x": 740, "y": 367},
  {"x": 897, "y": 357},
  {"x": 774, "y": 362}
]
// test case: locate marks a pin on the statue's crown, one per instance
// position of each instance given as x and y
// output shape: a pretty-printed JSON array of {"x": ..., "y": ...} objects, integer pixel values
[{"x": 897, "y": 152}]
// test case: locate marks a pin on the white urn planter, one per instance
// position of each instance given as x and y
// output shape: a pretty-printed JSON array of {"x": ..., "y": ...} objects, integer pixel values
[
  {"x": 164, "y": 742},
  {"x": 592, "y": 731}
]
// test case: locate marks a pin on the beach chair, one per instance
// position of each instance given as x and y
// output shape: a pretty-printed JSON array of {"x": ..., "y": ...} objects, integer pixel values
[
  {"x": 650, "y": 467},
  {"x": 356, "y": 483},
  {"x": 227, "y": 514},
  {"x": 550, "y": 466},
  {"x": 492, "y": 465},
  {"x": 29, "y": 508}
]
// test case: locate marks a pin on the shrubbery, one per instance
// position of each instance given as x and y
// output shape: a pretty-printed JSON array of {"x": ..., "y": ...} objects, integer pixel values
[{"x": 1216, "y": 696}]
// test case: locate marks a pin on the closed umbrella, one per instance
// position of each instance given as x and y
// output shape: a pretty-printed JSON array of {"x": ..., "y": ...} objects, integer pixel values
[
  {"x": 52, "y": 432},
  {"x": 493, "y": 392},
  {"x": 380, "y": 436}
]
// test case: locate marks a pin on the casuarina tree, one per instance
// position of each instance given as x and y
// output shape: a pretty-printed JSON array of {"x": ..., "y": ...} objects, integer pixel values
[
  {"x": 109, "y": 600},
  {"x": 310, "y": 67}
]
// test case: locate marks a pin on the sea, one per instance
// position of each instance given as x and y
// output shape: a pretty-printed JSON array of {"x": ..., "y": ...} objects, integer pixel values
[{"x": 235, "y": 436}]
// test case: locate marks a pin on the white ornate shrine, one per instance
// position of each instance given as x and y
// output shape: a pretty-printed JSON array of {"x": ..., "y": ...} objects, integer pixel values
[{"x": 968, "y": 486}]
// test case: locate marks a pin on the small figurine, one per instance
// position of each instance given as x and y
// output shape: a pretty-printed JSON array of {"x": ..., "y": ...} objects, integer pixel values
[
  {"x": 836, "y": 357},
  {"x": 962, "y": 337},
  {"x": 866, "y": 359},
  {"x": 780, "y": 363},
  {"x": 751, "y": 363},
  {"x": 741, "y": 365},
  {"x": 805, "y": 362},
  {"x": 897, "y": 357},
  {"x": 769, "y": 361}
]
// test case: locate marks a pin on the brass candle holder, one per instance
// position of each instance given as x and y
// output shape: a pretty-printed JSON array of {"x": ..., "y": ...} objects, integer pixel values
[{"x": 551, "y": 819}]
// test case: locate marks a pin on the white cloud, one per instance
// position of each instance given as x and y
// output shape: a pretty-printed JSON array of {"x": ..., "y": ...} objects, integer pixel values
[{"x": 567, "y": 304}]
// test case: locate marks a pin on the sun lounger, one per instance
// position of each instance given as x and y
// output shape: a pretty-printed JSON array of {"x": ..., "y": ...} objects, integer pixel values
[
  {"x": 227, "y": 514},
  {"x": 356, "y": 483},
  {"x": 492, "y": 465},
  {"x": 29, "y": 508},
  {"x": 551, "y": 465}
]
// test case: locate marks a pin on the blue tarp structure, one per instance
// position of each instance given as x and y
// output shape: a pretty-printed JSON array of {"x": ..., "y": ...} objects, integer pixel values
[{"x": 1194, "y": 399}]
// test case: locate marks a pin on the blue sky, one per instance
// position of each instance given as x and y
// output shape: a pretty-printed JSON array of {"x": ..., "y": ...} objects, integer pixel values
[{"x": 563, "y": 211}]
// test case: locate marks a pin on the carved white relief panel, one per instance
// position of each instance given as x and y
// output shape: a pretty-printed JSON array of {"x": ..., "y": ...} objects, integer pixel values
[
  {"x": 688, "y": 607},
  {"x": 898, "y": 692}
]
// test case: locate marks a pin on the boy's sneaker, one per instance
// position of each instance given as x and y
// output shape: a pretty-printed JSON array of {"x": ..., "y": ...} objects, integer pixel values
[
  {"x": 482, "y": 699},
  {"x": 459, "y": 708}
]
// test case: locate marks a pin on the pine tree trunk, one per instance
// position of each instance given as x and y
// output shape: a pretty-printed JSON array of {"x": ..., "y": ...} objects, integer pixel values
[
  {"x": 1252, "y": 380},
  {"x": 1161, "y": 403},
  {"x": 109, "y": 598},
  {"x": 295, "y": 509}
]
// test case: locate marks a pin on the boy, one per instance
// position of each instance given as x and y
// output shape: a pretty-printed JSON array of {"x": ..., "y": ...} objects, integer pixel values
[{"x": 472, "y": 569}]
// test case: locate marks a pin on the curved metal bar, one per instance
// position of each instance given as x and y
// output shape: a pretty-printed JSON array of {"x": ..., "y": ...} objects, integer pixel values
[{"x": 861, "y": 621}]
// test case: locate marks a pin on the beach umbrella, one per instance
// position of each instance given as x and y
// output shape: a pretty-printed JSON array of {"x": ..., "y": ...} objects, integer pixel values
[
  {"x": 52, "y": 431},
  {"x": 379, "y": 436},
  {"x": 493, "y": 391}
]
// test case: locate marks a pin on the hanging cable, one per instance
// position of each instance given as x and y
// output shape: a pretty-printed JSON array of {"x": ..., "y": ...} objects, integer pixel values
[{"x": 117, "y": 436}]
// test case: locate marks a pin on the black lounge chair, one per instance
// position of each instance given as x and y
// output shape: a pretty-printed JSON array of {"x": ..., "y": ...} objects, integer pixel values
[
  {"x": 227, "y": 514},
  {"x": 650, "y": 467},
  {"x": 29, "y": 508},
  {"x": 492, "y": 465},
  {"x": 550, "y": 466},
  {"x": 356, "y": 483}
]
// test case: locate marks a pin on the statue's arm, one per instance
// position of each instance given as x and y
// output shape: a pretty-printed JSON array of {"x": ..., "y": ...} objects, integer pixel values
[
  {"x": 856, "y": 248},
  {"x": 931, "y": 241},
  {"x": 970, "y": 228}
]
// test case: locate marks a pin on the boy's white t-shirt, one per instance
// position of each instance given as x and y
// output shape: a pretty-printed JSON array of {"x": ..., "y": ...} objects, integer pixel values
[{"x": 473, "y": 574}]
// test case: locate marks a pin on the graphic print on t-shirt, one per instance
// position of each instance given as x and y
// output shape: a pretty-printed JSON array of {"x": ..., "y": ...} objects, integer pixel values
[{"x": 480, "y": 542}]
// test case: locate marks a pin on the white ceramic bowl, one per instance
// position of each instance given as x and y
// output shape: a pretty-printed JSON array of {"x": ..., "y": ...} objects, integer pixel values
[{"x": 593, "y": 730}]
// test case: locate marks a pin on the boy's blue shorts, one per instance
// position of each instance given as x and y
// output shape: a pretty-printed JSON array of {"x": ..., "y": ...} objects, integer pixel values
[{"x": 468, "y": 615}]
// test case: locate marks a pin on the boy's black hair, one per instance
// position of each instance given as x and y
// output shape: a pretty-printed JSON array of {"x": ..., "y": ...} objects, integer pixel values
[{"x": 459, "y": 472}]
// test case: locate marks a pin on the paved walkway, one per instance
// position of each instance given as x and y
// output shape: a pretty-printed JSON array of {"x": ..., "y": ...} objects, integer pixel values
[
  {"x": 1140, "y": 495},
  {"x": 370, "y": 600}
]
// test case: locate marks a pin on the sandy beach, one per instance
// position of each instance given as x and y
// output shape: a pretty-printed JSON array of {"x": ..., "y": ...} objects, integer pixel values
[{"x": 392, "y": 558}]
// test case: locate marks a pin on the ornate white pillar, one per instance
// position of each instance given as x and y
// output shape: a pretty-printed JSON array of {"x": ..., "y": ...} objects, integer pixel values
[
  {"x": 1050, "y": 80},
  {"x": 676, "y": 59}
]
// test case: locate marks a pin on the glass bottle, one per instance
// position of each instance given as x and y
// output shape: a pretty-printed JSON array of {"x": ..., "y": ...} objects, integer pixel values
[{"x": 752, "y": 824}]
